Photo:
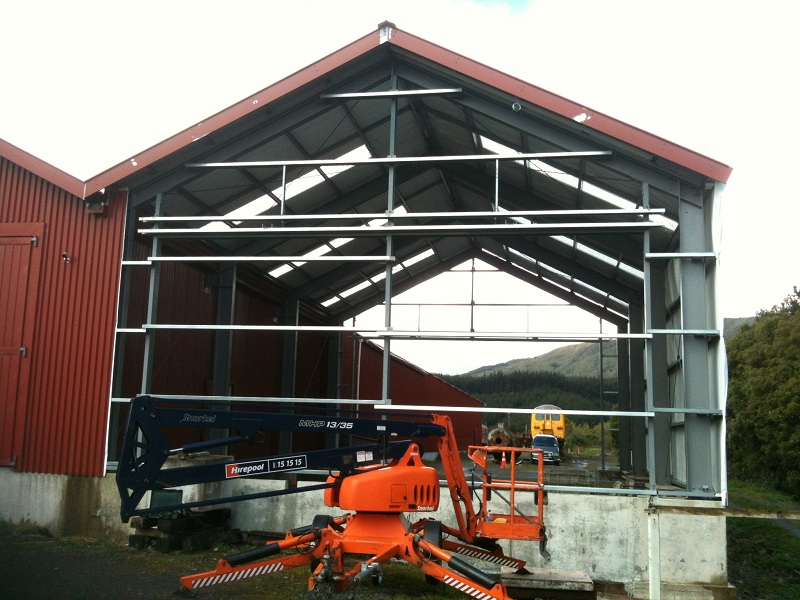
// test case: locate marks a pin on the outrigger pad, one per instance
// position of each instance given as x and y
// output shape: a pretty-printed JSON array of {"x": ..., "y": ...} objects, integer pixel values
[{"x": 488, "y": 544}]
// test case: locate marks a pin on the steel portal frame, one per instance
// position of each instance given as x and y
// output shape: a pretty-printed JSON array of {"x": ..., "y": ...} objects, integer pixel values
[{"x": 671, "y": 358}]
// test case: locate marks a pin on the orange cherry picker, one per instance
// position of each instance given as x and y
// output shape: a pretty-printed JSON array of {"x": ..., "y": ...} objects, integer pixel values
[{"x": 377, "y": 484}]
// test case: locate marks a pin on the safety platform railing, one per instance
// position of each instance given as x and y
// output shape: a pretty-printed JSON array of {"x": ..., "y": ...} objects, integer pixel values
[{"x": 513, "y": 490}]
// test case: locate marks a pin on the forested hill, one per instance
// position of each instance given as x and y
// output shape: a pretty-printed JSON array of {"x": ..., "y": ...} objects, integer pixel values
[
  {"x": 568, "y": 377},
  {"x": 576, "y": 360},
  {"x": 526, "y": 389},
  {"x": 583, "y": 360}
]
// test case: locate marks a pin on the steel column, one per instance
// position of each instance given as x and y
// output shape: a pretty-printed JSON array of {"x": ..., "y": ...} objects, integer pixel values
[
  {"x": 152, "y": 309},
  {"x": 223, "y": 339},
  {"x": 387, "y": 319},
  {"x": 695, "y": 367},
  {"x": 637, "y": 371},
  {"x": 289, "y": 371},
  {"x": 648, "y": 349},
  {"x": 624, "y": 387},
  {"x": 658, "y": 376},
  {"x": 694, "y": 297}
]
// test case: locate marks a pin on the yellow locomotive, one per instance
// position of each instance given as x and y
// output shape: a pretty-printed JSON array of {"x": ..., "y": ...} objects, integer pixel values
[{"x": 548, "y": 423}]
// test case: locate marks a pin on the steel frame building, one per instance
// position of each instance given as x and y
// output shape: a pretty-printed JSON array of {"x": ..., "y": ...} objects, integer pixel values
[
  {"x": 226, "y": 262},
  {"x": 423, "y": 160},
  {"x": 378, "y": 167}
]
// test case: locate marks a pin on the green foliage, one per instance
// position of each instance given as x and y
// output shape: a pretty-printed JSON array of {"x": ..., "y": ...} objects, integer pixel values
[
  {"x": 764, "y": 398},
  {"x": 762, "y": 554},
  {"x": 748, "y": 494},
  {"x": 587, "y": 440}
]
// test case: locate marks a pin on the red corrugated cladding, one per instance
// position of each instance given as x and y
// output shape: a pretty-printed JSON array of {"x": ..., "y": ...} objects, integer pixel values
[
  {"x": 257, "y": 356},
  {"x": 75, "y": 317},
  {"x": 408, "y": 384},
  {"x": 184, "y": 359}
]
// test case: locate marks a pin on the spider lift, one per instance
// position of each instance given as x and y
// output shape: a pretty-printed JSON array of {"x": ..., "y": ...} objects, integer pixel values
[{"x": 378, "y": 484}]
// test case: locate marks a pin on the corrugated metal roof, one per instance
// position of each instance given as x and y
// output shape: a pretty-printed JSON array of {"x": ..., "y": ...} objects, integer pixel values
[
  {"x": 516, "y": 89},
  {"x": 591, "y": 119}
]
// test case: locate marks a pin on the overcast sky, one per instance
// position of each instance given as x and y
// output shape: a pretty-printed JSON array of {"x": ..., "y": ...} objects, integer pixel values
[{"x": 86, "y": 85}]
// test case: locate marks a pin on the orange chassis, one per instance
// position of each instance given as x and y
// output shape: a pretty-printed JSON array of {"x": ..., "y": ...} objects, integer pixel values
[{"x": 378, "y": 529}]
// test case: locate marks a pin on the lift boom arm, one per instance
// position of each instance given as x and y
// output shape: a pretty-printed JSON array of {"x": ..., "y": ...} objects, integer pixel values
[
  {"x": 145, "y": 449},
  {"x": 378, "y": 481}
]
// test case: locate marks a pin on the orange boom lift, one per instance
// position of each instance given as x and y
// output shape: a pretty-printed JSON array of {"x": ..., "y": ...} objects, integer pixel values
[{"x": 380, "y": 485}]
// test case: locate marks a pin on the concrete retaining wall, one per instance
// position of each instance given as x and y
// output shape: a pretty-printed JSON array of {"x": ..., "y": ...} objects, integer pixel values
[
  {"x": 64, "y": 505},
  {"x": 604, "y": 536}
]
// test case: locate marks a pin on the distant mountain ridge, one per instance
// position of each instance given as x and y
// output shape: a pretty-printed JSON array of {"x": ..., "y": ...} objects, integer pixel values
[{"x": 583, "y": 360}]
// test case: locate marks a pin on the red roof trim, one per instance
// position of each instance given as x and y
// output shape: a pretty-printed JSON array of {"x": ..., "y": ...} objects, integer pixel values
[
  {"x": 45, "y": 170},
  {"x": 492, "y": 77},
  {"x": 232, "y": 113},
  {"x": 562, "y": 106}
]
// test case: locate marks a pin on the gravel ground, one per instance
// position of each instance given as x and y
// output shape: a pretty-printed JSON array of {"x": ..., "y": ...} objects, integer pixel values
[{"x": 34, "y": 565}]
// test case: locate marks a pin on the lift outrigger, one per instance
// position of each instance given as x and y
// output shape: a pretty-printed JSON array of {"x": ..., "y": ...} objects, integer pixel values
[{"x": 378, "y": 483}]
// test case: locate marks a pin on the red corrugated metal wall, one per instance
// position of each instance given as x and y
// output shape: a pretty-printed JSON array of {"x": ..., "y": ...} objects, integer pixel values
[
  {"x": 183, "y": 358},
  {"x": 408, "y": 384},
  {"x": 73, "y": 339},
  {"x": 257, "y": 356},
  {"x": 183, "y": 361}
]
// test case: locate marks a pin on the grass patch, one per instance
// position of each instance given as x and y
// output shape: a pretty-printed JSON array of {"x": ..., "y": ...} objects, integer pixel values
[
  {"x": 87, "y": 569},
  {"x": 24, "y": 528},
  {"x": 763, "y": 560},
  {"x": 763, "y": 557},
  {"x": 745, "y": 493}
]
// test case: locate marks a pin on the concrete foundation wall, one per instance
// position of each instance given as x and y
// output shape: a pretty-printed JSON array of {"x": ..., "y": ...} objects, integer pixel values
[
  {"x": 605, "y": 536},
  {"x": 65, "y": 505}
]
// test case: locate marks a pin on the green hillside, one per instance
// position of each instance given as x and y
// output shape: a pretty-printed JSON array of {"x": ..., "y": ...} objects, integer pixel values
[
  {"x": 526, "y": 389},
  {"x": 583, "y": 360},
  {"x": 568, "y": 377},
  {"x": 576, "y": 360}
]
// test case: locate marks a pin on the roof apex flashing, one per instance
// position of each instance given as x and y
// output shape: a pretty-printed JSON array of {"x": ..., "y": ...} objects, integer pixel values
[{"x": 385, "y": 30}]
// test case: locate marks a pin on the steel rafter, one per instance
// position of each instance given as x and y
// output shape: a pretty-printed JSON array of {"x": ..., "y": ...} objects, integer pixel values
[
  {"x": 609, "y": 246},
  {"x": 436, "y": 268},
  {"x": 539, "y": 125},
  {"x": 572, "y": 298},
  {"x": 534, "y": 252}
]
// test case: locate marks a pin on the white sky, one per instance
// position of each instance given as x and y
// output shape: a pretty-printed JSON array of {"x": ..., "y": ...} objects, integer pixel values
[{"x": 86, "y": 85}]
